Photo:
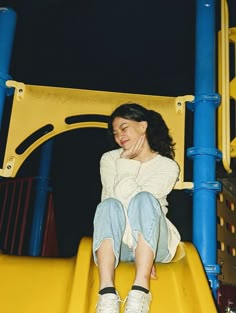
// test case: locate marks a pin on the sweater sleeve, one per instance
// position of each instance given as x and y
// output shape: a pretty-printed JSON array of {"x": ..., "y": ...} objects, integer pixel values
[
  {"x": 162, "y": 180},
  {"x": 126, "y": 185},
  {"x": 158, "y": 178},
  {"x": 118, "y": 177},
  {"x": 107, "y": 172}
]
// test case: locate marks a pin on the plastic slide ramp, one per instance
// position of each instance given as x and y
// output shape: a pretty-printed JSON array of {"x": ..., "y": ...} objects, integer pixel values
[{"x": 56, "y": 285}]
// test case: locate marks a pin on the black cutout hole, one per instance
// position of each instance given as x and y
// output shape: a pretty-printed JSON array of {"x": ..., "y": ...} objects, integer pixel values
[{"x": 33, "y": 137}]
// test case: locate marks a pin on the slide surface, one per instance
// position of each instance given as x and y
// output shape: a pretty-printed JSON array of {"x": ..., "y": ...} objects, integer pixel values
[{"x": 43, "y": 285}]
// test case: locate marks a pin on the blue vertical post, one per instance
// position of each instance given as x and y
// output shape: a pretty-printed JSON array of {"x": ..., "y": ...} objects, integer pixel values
[
  {"x": 41, "y": 198},
  {"x": 7, "y": 32},
  {"x": 204, "y": 152}
]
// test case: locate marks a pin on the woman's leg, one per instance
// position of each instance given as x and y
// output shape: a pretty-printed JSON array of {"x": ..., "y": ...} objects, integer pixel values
[
  {"x": 109, "y": 225},
  {"x": 143, "y": 263},
  {"x": 145, "y": 217},
  {"x": 106, "y": 264}
]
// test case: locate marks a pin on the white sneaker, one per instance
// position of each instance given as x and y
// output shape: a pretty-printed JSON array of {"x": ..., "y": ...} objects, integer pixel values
[
  {"x": 138, "y": 302},
  {"x": 108, "y": 303}
]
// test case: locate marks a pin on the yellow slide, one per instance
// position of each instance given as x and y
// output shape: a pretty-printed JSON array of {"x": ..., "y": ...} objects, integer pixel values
[{"x": 47, "y": 285}]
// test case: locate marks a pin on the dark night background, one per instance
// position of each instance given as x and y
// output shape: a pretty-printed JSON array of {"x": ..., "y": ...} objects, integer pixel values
[{"x": 130, "y": 46}]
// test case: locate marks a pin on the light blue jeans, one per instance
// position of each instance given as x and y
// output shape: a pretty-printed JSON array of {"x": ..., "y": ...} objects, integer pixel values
[{"x": 145, "y": 216}]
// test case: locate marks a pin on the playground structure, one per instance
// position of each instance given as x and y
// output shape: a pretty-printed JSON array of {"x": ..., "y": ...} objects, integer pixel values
[{"x": 77, "y": 280}]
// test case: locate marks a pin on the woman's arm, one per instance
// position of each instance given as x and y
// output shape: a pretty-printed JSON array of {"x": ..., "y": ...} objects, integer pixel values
[
  {"x": 108, "y": 173},
  {"x": 119, "y": 177},
  {"x": 158, "y": 179}
]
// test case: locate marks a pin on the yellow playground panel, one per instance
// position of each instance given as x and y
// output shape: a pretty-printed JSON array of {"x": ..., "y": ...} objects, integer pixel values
[
  {"x": 39, "y": 113},
  {"x": 70, "y": 285},
  {"x": 30, "y": 284}
]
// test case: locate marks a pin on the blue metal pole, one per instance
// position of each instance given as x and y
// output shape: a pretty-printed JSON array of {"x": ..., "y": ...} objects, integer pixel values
[
  {"x": 204, "y": 152},
  {"x": 41, "y": 197},
  {"x": 7, "y": 32}
]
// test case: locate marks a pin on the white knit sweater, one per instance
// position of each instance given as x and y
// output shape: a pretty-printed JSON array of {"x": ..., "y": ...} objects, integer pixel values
[{"x": 124, "y": 178}]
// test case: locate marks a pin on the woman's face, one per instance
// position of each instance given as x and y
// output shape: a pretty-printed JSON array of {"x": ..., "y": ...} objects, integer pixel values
[{"x": 127, "y": 132}]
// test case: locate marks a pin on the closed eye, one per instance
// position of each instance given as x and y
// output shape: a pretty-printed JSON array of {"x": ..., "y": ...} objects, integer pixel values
[{"x": 121, "y": 128}]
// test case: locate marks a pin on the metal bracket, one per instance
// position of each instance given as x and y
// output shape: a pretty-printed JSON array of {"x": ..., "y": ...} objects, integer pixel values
[
  {"x": 7, "y": 171},
  {"x": 191, "y": 152},
  {"x": 213, "y": 98},
  {"x": 180, "y": 101},
  {"x": 208, "y": 185},
  {"x": 19, "y": 87},
  {"x": 215, "y": 270},
  {"x": 212, "y": 269}
]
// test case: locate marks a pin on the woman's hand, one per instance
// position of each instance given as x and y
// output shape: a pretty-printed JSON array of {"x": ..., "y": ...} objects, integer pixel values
[
  {"x": 134, "y": 150},
  {"x": 153, "y": 272}
]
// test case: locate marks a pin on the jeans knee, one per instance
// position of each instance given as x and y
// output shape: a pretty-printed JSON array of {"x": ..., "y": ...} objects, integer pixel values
[
  {"x": 110, "y": 207},
  {"x": 145, "y": 202},
  {"x": 111, "y": 203},
  {"x": 143, "y": 195}
]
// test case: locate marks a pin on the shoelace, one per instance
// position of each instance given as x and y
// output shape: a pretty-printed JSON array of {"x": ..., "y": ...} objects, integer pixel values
[
  {"x": 108, "y": 305},
  {"x": 133, "y": 304}
]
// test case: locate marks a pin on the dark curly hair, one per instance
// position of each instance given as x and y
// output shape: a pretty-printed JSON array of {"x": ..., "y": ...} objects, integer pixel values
[{"x": 157, "y": 131}]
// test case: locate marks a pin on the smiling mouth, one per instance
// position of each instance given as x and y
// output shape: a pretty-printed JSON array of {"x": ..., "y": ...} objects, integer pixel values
[{"x": 123, "y": 142}]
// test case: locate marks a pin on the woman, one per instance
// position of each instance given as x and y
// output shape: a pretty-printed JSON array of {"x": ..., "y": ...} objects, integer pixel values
[{"x": 130, "y": 223}]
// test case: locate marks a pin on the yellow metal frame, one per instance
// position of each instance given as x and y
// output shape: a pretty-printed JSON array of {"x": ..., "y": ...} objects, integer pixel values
[
  {"x": 70, "y": 285},
  {"x": 227, "y": 89},
  {"x": 37, "y": 106}
]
